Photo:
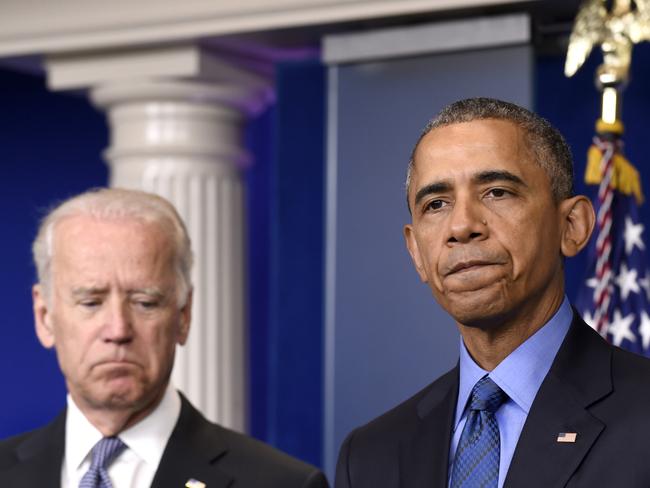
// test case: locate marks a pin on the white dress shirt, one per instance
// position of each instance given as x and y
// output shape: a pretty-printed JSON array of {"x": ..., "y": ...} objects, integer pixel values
[{"x": 136, "y": 466}]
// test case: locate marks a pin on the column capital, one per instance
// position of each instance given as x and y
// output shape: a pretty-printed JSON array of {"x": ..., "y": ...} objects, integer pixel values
[{"x": 183, "y": 72}]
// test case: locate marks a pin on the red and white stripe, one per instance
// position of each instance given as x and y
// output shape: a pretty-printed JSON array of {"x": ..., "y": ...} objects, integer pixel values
[{"x": 603, "y": 291}]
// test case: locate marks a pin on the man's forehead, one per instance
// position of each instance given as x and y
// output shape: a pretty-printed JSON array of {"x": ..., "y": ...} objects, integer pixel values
[
  {"x": 470, "y": 147},
  {"x": 479, "y": 134},
  {"x": 82, "y": 221},
  {"x": 84, "y": 241},
  {"x": 82, "y": 229}
]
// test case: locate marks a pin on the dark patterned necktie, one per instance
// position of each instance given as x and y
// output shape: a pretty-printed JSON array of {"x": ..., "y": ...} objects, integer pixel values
[
  {"x": 104, "y": 452},
  {"x": 477, "y": 457}
]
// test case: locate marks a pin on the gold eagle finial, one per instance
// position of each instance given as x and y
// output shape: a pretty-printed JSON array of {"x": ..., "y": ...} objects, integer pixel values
[{"x": 616, "y": 30}]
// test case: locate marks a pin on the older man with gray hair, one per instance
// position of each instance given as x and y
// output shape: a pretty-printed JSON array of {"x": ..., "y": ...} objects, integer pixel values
[{"x": 114, "y": 299}]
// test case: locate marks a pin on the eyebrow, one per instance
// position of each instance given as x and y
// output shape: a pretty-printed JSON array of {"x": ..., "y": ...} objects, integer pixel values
[
  {"x": 501, "y": 175},
  {"x": 152, "y": 292},
  {"x": 480, "y": 178},
  {"x": 83, "y": 291}
]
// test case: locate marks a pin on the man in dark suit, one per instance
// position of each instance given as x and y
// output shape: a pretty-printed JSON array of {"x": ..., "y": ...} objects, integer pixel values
[
  {"x": 114, "y": 300},
  {"x": 538, "y": 399}
]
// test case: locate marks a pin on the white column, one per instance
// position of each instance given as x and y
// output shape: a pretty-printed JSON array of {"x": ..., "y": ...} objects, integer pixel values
[{"x": 176, "y": 117}]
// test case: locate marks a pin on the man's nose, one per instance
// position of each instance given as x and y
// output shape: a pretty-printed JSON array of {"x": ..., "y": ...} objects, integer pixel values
[
  {"x": 467, "y": 221},
  {"x": 118, "y": 327}
]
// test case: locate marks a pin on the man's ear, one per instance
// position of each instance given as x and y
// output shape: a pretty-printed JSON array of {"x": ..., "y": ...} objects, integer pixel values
[
  {"x": 185, "y": 319},
  {"x": 42, "y": 317},
  {"x": 414, "y": 251},
  {"x": 578, "y": 219}
]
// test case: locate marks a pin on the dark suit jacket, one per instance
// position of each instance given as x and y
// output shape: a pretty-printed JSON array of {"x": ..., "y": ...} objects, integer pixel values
[
  {"x": 593, "y": 389},
  {"x": 196, "y": 449}
]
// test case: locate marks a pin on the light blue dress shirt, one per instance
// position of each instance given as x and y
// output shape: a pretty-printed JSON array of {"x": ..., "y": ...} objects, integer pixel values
[{"x": 519, "y": 375}]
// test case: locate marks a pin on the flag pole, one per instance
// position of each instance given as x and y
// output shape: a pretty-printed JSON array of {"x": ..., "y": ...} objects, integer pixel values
[
  {"x": 610, "y": 80},
  {"x": 615, "y": 30}
]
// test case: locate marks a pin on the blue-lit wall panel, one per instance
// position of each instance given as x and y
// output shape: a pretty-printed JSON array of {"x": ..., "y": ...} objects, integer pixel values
[
  {"x": 50, "y": 146},
  {"x": 296, "y": 323},
  {"x": 386, "y": 337}
]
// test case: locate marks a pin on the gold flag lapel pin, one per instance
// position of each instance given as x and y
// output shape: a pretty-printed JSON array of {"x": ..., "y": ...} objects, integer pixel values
[
  {"x": 567, "y": 437},
  {"x": 192, "y": 483}
]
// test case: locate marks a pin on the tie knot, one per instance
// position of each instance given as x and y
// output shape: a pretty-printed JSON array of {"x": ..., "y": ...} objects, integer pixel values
[
  {"x": 486, "y": 395},
  {"x": 107, "y": 449}
]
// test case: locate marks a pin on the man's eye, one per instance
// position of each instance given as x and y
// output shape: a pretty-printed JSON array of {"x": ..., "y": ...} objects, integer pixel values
[
  {"x": 498, "y": 192},
  {"x": 146, "y": 304},
  {"x": 90, "y": 303},
  {"x": 435, "y": 205}
]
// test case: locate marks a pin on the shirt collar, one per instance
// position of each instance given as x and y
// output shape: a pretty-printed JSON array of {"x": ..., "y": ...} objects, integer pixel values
[
  {"x": 147, "y": 439},
  {"x": 80, "y": 436},
  {"x": 521, "y": 373}
]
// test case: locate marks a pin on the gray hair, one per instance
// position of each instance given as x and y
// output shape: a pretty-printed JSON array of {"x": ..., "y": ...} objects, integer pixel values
[
  {"x": 551, "y": 151},
  {"x": 116, "y": 203}
]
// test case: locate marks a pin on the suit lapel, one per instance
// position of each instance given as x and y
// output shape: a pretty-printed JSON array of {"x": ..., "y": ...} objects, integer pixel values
[
  {"x": 192, "y": 452},
  {"x": 580, "y": 376},
  {"x": 40, "y": 457},
  {"x": 424, "y": 458}
]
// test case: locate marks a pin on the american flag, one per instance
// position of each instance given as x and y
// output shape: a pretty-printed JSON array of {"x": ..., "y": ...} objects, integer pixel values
[
  {"x": 567, "y": 437},
  {"x": 615, "y": 296}
]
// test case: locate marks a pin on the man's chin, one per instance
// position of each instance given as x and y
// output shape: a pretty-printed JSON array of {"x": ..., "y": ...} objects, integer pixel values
[
  {"x": 475, "y": 309},
  {"x": 119, "y": 394}
]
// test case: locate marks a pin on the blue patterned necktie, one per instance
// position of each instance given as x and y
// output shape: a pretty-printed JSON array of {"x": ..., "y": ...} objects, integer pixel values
[
  {"x": 477, "y": 457},
  {"x": 104, "y": 452}
]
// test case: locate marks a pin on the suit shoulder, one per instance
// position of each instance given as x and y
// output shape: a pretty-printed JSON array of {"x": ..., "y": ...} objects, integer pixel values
[
  {"x": 252, "y": 452},
  {"x": 9, "y": 445},
  {"x": 11, "y": 442},
  {"x": 251, "y": 462},
  {"x": 630, "y": 367},
  {"x": 27, "y": 444},
  {"x": 400, "y": 419},
  {"x": 377, "y": 443}
]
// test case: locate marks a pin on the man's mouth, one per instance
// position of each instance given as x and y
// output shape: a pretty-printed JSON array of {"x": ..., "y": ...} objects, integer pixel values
[
  {"x": 116, "y": 363},
  {"x": 470, "y": 265}
]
